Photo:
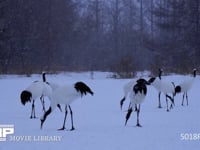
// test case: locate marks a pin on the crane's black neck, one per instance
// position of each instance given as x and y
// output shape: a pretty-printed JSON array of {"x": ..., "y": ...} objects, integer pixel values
[
  {"x": 160, "y": 73},
  {"x": 44, "y": 77},
  {"x": 194, "y": 73}
]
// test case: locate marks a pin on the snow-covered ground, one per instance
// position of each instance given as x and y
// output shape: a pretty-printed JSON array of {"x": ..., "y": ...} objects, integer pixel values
[{"x": 98, "y": 120}]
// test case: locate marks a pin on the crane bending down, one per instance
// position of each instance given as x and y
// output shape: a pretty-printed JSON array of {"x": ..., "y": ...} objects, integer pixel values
[{"x": 66, "y": 95}]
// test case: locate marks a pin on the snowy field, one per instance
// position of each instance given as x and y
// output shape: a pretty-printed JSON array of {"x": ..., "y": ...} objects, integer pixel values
[{"x": 98, "y": 120}]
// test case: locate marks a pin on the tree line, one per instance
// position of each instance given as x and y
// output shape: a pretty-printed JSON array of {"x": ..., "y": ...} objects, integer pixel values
[{"x": 106, "y": 35}]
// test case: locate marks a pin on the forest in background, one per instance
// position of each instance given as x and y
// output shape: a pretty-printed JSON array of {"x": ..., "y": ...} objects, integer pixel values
[{"x": 104, "y": 35}]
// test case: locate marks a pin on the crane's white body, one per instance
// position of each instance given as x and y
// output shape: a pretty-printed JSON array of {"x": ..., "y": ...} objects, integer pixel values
[
  {"x": 136, "y": 98},
  {"x": 187, "y": 84},
  {"x": 63, "y": 94},
  {"x": 167, "y": 87},
  {"x": 157, "y": 84},
  {"x": 38, "y": 89},
  {"x": 128, "y": 87}
]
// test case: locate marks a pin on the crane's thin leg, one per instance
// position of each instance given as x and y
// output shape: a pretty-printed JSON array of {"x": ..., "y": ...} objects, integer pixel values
[
  {"x": 63, "y": 128},
  {"x": 172, "y": 101},
  {"x": 43, "y": 103},
  {"x": 136, "y": 109},
  {"x": 138, "y": 112},
  {"x": 187, "y": 98},
  {"x": 183, "y": 98},
  {"x": 167, "y": 104},
  {"x": 159, "y": 102},
  {"x": 33, "y": 110},
  {"x": 71, "y": 118}
]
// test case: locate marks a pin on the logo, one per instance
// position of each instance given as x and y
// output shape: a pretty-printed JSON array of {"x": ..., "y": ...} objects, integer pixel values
[{"x": 6, "y": 130}]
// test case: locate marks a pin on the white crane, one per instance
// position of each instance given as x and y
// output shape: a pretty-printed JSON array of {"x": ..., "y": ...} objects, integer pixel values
[
  {"x": 137, "y": 96},
  {"x": 168, "y": 88},
  {"x": 66, "y": 95},
  {"x": 185, "y": 86},
  {"x": 157, "y": 85},
  {"x": 37, "y": 89}
]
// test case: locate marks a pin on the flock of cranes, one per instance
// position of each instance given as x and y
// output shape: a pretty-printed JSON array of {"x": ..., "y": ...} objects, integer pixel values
[
  {"x": 136, "y": 89},
  {"x": 57, "y": 94}
]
